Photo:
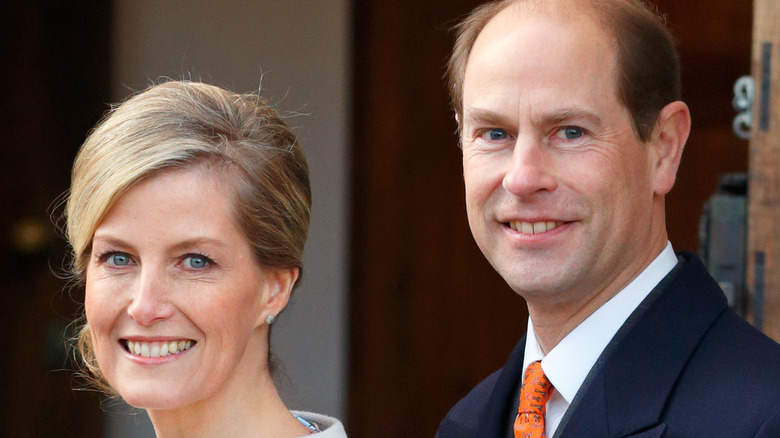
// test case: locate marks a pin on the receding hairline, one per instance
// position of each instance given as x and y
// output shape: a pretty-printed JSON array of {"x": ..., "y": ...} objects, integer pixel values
[
  {"x": 598, "y": 13},
  {"x": 561, "y": 10},
  {"x": 581, "y": 11}
]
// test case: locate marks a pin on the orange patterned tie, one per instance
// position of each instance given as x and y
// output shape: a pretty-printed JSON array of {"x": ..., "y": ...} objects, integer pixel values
[{"x": 534, "y": 393}]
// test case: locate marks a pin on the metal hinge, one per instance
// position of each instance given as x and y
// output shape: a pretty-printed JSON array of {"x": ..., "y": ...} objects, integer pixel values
[{"x": 744, "y": 95}]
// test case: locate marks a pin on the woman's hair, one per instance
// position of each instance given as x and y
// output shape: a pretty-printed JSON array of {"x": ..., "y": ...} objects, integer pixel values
[{"x": 180, "y": 125}]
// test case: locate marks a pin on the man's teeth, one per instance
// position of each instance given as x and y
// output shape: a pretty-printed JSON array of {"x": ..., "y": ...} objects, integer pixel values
[
  {"x": 158, "y": 349},
  {"x": 533, "y": 227}
]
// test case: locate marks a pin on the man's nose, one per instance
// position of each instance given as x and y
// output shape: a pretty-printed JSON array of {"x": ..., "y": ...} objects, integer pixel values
[
  {"x": 531, "y": 169},
  {"x": 150, "y": 302}
]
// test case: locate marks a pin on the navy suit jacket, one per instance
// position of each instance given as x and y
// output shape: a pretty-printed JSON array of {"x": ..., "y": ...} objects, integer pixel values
[{"x": 683, "y": 365}]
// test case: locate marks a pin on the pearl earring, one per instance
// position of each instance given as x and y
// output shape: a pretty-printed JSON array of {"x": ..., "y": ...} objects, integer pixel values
[{"x": 270, "y": 319}]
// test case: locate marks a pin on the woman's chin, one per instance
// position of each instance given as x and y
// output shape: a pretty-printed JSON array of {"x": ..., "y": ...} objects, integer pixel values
[{"x": 150, "y": 399}]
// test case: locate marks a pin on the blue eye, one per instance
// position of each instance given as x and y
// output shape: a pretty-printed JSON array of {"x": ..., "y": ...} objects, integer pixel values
[
  {"x": 195, "y": 261},
  {"x": 118, "y": 259},
  {"x": 496, "y": 134},
  {"x": 572, "y": 132}
]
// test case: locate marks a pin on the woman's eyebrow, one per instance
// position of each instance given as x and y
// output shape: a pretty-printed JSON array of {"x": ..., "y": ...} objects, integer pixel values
[
  {"x": 199, "y": 241},
  {"x": 110, "y": 240}
]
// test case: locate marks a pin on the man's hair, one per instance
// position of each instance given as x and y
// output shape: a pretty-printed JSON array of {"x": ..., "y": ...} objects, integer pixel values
[{"x": 648, "y": 68}]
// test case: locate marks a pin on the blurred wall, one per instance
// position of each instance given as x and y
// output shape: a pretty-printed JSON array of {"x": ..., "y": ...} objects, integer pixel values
[{"x": 297, "y": 51}]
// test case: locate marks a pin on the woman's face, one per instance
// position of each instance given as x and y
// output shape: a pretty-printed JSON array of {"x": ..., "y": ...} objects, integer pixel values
[{"x": 175, "y": 300}]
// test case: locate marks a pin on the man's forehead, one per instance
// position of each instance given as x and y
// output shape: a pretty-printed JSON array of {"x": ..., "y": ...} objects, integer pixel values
[
  {"x": 561, "y": 9},
  {"x": 540, "y": 37},
  {"x": 558, "y": 69}
]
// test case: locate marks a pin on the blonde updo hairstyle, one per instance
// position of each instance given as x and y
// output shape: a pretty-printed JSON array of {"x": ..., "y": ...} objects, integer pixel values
[{"x": 180, "y": 125}]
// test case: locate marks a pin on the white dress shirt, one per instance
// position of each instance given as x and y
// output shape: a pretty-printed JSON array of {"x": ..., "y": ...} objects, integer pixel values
[{"x": 571, "y": 360}]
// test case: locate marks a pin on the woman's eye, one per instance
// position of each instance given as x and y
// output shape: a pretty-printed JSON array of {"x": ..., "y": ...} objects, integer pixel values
[
  {"x": 571, "y": 132},
  {"x": 118, "y": 259},
  {"x": 194, "y": 261}
]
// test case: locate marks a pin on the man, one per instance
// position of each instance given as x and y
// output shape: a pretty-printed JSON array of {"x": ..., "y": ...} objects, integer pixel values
[{"x": 572, "y": 131}]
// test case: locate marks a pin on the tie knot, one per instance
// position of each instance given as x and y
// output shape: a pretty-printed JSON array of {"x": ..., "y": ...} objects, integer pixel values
[{"x": 535, "y": 391}]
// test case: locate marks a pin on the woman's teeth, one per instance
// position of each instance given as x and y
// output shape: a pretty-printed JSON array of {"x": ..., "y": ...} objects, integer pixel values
[{"x": 157, "y": 349}]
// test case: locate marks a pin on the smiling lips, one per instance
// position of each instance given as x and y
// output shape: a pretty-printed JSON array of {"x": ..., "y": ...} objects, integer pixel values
[
  {"x": 533, "y": 227},
  {"x": 157, "y": 348}
]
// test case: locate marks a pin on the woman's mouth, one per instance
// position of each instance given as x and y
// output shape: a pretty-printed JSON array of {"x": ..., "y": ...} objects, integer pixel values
[{"x": 156, "y": 348}]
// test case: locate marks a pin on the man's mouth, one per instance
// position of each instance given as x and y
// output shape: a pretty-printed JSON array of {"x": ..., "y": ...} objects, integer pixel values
[
  {"x": 533, "y": 227},
  {"x": 157, "y": 348}
]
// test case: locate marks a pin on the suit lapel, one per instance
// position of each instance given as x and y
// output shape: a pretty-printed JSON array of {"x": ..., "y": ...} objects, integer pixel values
[
  {"x": 495, "y": 415},
  {"x": 627, "y": 389}
]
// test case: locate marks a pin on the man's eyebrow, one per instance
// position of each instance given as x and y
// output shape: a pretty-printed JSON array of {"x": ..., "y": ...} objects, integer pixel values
[
  {"x": 567, "y": 115},
  {"x": 479, "y": 116}
]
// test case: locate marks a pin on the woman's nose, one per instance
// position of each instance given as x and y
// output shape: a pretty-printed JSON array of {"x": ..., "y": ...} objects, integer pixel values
[{"x": 150, "y": 302}]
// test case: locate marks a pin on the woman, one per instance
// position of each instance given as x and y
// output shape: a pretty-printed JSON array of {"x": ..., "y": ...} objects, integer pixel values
[{"x": 187, "y": 215}]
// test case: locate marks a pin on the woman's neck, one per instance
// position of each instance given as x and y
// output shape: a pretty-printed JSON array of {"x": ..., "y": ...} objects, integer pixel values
[{"x": 245, "y": 407}]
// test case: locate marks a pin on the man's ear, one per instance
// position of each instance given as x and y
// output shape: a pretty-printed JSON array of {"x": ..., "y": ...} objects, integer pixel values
[
  {"x": 277, "y": 290},
  {"x": 459, "y": 131},
  {"x": 672, "y": 127}
]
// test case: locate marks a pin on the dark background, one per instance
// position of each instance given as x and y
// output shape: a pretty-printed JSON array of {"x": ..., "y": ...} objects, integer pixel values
[{"x": 55, "y": 80}]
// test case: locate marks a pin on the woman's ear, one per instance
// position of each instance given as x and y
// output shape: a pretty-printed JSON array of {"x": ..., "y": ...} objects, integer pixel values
[
  {"x": 668, "y": 141},
  {"x": 277, "y": 289}
]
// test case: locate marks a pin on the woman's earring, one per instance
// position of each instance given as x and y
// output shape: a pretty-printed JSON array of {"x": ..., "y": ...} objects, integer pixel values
[{"x": 270, "y": 319}]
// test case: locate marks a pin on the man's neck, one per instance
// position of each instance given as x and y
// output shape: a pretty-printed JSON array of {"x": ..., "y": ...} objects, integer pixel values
[{"x": 554, "y": 320}]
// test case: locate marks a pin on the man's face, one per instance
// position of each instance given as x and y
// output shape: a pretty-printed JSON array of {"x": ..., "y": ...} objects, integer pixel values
[{"x": 559, "y": 188}]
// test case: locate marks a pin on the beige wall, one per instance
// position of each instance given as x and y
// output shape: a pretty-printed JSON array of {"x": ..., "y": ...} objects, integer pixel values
[{"x": 299, "y": 48}]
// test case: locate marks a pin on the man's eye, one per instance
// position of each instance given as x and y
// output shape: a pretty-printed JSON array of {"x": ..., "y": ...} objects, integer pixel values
[
  {"x": 118, "y": 259},
  {"x": 571, "y": 132},
  {"x": 195, "y": 261},
  {"x": 495, "y": 134}
]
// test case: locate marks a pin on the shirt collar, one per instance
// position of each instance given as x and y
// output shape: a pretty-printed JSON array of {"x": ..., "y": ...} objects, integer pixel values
[{"x": 569, "y": 362}]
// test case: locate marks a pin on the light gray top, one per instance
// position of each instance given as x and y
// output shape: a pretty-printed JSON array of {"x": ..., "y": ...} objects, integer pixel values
[{"x": 329, "y": 427}]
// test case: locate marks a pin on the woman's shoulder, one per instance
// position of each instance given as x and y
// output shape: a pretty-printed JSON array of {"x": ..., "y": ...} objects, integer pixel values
[{"x": 328, "y": 427}]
